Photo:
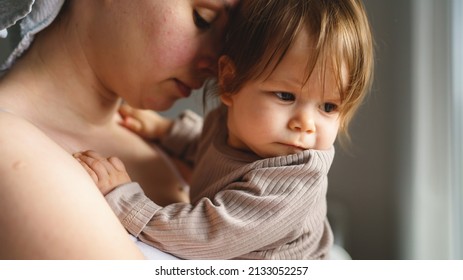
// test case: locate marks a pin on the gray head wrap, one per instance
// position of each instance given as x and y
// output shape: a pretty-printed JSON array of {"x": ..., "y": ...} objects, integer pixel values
[{"x": 34, "y": 16}]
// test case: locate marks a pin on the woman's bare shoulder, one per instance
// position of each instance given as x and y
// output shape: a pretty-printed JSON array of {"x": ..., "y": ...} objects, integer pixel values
[
  {"x": 16, "y": 137},
  {"x": 23, "y": 144},
  {"x": 50, "y": 207}
]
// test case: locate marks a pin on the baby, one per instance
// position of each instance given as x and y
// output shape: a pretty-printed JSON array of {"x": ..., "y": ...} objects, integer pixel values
[{"x": 291, "y": 76}]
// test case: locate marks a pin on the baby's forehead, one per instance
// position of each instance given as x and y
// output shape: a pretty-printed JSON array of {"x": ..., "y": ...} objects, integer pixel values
[
  {"x": 324, "y": 80},
  {"x": 302, "y": 64}
]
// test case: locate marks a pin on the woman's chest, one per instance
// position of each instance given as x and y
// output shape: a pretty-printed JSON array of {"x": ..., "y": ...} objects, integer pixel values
[{"x": 145, "y": 162}]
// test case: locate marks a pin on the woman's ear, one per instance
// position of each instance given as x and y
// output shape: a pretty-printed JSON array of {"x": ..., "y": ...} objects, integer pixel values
[{"x": 226, "y": 76}]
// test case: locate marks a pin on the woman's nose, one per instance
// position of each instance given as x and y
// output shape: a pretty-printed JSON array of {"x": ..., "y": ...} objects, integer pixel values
[{"x": 303, "y": 123}]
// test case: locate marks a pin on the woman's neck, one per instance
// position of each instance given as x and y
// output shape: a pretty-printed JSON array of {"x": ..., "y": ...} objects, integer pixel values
[{"x": 53, "y": 83}]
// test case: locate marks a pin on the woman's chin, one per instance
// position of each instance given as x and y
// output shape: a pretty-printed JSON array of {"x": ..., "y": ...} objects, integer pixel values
[{"x": 159, "y": 105}]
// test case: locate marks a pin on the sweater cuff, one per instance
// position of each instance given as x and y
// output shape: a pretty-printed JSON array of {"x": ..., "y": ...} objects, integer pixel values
[
  {"x": 132, "y": 207},
  {"x": 186, "y": 128}
]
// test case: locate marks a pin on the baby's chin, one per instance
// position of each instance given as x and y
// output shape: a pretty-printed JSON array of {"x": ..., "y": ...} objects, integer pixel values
[{"x": 285, "y": 151}]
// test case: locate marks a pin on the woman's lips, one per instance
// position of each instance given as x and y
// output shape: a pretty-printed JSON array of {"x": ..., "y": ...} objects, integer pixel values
[{"x": 183, "y": 88}]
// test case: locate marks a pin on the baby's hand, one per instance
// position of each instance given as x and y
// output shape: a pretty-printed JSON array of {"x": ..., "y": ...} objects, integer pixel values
[
  {"x": 107, "y": 173},
  {"x": 146, "y": 123}
]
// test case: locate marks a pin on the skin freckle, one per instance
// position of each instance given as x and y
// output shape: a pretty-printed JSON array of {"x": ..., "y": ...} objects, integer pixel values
[{"x": 18, "y": 165}]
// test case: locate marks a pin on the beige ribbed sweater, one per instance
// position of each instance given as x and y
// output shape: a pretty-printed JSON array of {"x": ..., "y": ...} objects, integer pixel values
[{"x": 243, "y": 206}]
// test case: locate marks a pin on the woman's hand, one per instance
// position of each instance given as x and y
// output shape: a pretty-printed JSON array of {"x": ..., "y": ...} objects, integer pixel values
[{"x": 107, "y": 173}]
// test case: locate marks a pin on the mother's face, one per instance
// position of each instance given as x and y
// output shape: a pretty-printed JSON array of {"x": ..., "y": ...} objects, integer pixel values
[{"x": 153, "y": 52}]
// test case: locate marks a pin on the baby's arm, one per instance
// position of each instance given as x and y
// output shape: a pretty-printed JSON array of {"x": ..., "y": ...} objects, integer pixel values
[
  {"x": 107, "y": 173},
  {"x": 146, "y": 123}
]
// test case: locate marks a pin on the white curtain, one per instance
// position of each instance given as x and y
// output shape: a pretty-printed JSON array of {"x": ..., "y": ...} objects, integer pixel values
[
  {"x": 434, "y": 224},
  {"x": 457, "y": 127}
]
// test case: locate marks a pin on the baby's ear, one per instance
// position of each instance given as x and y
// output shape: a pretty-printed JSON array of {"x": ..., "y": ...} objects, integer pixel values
[{"x": 226, "y": 77}]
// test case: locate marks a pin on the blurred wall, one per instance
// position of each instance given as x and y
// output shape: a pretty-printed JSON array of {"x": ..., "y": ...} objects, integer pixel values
[{"x": 365, "y": 180}]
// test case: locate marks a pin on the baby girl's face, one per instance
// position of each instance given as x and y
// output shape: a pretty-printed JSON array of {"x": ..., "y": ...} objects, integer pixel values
[{"x": 280, "y": 114}]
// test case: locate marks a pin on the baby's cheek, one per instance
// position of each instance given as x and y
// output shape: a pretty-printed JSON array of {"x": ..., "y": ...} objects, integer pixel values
[{"x": 327, "y": 139}]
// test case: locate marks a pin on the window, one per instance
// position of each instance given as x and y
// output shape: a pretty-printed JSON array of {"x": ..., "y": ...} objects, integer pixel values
[{"x": 436, "y": 226}]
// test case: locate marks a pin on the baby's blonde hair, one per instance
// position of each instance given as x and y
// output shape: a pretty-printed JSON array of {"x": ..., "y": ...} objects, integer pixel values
[{"x": 262, "y": 31}]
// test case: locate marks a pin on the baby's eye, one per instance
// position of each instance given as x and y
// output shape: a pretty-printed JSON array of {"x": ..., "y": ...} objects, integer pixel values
[
  {"x": 329, "y": 107},
  {"x": 285, "y": 96},
  {"x": 203, "y": 18}
]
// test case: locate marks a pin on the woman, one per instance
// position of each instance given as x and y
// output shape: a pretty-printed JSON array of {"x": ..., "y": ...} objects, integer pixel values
[{"x": 62, "y": 95}]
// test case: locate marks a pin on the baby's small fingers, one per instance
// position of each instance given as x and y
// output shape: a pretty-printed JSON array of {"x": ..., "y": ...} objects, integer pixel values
[
  {"x": 83, "y": 157},
  {"x": 125, "y": 110},
  {"x": 100, "y": 165},
  {"x": 117, "y": 163},
  {"x": 90, "y": 171},
  {"x": 92, "y": 154},
  {"x": 132, "y": 124}
]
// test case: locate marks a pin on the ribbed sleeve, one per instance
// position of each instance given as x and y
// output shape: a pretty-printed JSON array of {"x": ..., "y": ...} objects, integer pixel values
[
  {"x": 132, "y": 207},
  {"x": 182, "y": 140},
  {"x": 242, "y": 207}
]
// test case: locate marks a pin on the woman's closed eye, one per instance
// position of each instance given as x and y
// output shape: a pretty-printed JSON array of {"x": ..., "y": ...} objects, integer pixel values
[
  {"x": 285, "y": 96},
  {"x": 203, "y": 18}
]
